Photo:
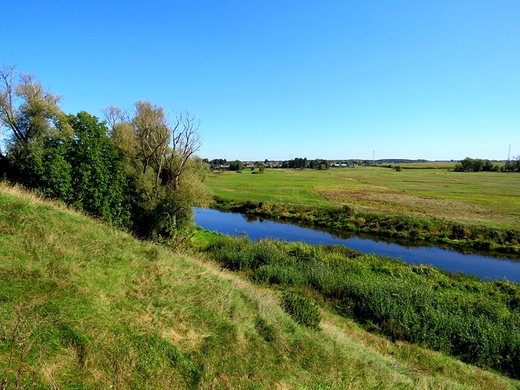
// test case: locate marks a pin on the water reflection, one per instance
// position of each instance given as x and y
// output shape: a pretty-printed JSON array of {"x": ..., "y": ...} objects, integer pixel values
[{"x": 451, "y": 259}]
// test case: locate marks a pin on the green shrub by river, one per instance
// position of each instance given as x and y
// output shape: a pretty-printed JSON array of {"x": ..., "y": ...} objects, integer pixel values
[
  {"x": 475, "y": 321},
  {"x": 390, "y": 225}
]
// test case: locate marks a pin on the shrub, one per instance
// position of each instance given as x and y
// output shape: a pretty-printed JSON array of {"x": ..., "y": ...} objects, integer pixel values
[
  {"x": 267, "y": 331},
  {"x": 302, "y": 310}
]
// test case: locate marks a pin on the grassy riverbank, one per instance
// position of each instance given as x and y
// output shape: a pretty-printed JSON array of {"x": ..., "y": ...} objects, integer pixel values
[
  {"x": 476, "y": 321},
  {"x": 83, "y": 305},
  {"x": 479, "y": 210}
]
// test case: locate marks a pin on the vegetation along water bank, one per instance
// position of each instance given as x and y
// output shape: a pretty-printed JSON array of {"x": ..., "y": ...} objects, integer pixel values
[
  {"x": 475, "y": 321},
  {"x": 345, "y": 218},
  {"x": 86, "y": 305}
]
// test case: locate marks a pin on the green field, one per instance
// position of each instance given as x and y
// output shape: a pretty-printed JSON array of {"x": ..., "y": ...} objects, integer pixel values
[
  {"x": 487, "y": 198},
  {"x": 86, "y": 306}
]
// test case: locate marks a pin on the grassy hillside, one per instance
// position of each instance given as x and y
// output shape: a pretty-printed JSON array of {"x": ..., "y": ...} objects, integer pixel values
[{"x": 83, "y": 305}]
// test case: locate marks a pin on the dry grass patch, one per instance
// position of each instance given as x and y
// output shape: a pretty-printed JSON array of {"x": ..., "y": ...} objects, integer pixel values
[{"x": 409, "y": 204}]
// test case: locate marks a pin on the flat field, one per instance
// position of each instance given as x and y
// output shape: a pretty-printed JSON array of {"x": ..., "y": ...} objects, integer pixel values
[{"x": 488, "y": 198}]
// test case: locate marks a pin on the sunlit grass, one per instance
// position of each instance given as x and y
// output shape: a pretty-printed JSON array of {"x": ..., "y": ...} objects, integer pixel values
[
  {"x": 489, "y": 198},
  {"x": 460, "y": 315},
  {"x": 83, "y": 305}
]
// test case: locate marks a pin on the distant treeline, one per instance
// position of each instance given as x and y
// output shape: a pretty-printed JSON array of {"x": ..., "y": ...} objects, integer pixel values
[
  {"x": 303, "y": 163},
  {"x": 476, "y": 165}
]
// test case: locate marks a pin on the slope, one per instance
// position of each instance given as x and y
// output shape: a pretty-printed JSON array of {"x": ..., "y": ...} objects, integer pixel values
[{"x": 83, "y": 305}]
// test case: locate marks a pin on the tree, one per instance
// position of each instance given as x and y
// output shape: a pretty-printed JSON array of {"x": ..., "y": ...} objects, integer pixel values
[
  {"x": 164, "y": 174},
  {"x": 36, "y": 130},
  {"x": 319, "y": 164},
  {"x": 27, "y": 110},
  {"x": 473, "y": 165},
  {"x": 236, "y": 165},
  {"x": 65, "y": 157},
  {"x": 186, "y": 141},
  {"x": 513, "y": 165},
  {"x": 488, "y": 166},
  {"x": 98, "y": 181}
]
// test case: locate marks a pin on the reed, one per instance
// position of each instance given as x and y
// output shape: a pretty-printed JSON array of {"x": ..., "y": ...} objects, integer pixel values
[{"x": 473, "y": 320}]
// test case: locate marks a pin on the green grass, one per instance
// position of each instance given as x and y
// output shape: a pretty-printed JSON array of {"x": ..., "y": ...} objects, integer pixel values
[
  {"x": 477, "y": 321},
  {"x": 487, "y": 198},
  {"x": 83, "y": 305}
]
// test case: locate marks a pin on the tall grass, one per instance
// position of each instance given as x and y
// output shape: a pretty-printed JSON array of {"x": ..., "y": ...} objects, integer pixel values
[
  {"x": 411, "y": 227},
  {"x": 83, "y": 305},
  {"x": 475, "y": 321}
]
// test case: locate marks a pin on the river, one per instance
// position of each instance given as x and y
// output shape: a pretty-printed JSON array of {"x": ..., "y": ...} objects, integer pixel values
[{"x": 484, "y": 266}]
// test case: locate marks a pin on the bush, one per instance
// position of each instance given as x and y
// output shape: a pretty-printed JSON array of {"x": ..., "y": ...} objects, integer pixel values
[
  {"x": 460, "y": 315},
  {"x": 302, "y": 310}
]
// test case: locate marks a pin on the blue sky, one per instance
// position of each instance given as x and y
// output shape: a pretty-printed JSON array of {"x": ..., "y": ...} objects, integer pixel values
[{"x": 283, "y": 79}]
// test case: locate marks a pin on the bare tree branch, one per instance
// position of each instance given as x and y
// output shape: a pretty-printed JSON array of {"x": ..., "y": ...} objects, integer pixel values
[{"x": 186, "y": 141}]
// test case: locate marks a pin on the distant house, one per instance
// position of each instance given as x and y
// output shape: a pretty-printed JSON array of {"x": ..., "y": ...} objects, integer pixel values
[{"x": 224, "y": 166}]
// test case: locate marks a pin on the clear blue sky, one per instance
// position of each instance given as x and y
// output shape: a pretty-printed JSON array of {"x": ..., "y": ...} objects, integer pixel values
[{"x": 284, "y": 79}]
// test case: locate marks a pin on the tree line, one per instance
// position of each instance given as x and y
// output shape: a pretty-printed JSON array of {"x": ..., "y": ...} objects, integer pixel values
[
  {"x": 477, "y": 165},
  {"x": 296, "y": 163},
  {"x": 136, "y": 169}
]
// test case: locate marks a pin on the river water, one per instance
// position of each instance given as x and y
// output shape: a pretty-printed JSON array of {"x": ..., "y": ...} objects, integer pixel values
[{"x": 484, "y": 266}]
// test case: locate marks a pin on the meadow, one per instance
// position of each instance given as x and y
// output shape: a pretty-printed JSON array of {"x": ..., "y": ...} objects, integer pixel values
[
  {"x": 479, "y": 210},
  {"x": 85, "y": 305},
  {"x": 487, "y": 198}
]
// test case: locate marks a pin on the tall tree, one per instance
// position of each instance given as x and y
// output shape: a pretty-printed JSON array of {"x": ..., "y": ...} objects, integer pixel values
[
  {"x": 186, "y": 141},
  {"x": 161, "y": 166},
  {"x": 27, "y": 110},
  {"x": 98, "y": 180},
  {"x": 36, "y": 129}
]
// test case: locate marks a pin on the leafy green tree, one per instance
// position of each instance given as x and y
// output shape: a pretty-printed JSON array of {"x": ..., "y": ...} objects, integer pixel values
[
  {"x": 27, "y": 110},
  {"x": 236, "y": 165},
  {"x": 218, "y": 161},
  {"x": 512, "y": 165},
  {"x": 488, "y": 166},
  {"x": 98, "y": 179},
  {"x": 164, "y": 174},
  {"x": 319, "y": 164},
  {"x": 37, "y": 133},
  {"x": 466, "y": 165},
  {"x": 474, "y": 165}
]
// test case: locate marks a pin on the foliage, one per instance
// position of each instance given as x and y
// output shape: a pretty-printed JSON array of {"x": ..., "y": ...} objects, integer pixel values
[
  {"x": 319, "y": 164},
  {"x": 27, "y": 110},
  {"x": 236, "y": 165},
  {"x": 475, "y": 165},
  {"x": 476, "y": 321},
  {"x": 37, "y": 130},
  {"x": 97, "y": 175},
  {"x": 65, "y": 157},
  {"x": 513, "y": 165},
  {"x": 163, "y": 173},
  {"x": 302, "y": 309},
  {"x": 297, "y": 162}
]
